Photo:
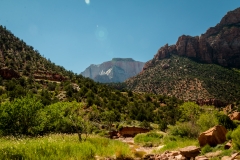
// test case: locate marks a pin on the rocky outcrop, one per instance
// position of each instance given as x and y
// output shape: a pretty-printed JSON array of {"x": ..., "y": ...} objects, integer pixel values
[
  {"x": 209, "y": 102},
  {"x": 220, "y": 44},
  {"x": 131, "y": 131},
  {"x": 167, "y": 155},
  {"x": 190, "y": 151},
  {"x": 213, "y": 136},
  {"x": 117, "y": 70},
  {"x": 234, "y": 116},
  {"x": 8, "y": 73},
  {"x": 175, "y": 155},
  {"x": 182, "y": 154},
  {"x": 49, "y": 76},
  {"x": 198, "y": 67}
]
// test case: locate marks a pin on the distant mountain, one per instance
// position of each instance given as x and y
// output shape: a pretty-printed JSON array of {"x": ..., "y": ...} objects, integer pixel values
[
  {"x": 116, "y": 70},
  {"x": 197, "y": 68}
]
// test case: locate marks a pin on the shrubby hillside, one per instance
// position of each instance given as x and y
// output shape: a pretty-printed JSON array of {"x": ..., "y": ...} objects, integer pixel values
[{"x": 187, "y": 79}]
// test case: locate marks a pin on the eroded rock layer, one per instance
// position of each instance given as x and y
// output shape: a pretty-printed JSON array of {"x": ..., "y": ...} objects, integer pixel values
[{"x": 219, "y": 45}]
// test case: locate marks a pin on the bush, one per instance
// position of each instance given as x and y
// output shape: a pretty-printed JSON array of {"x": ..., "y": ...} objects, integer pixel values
[
  {"x": 206, "y": 121},
  {"x": 190, "y": 111},
  {"x": 23, "y": 116},
  {"x": 145, "y": 124},
  {"x": 148, "y": 139},
  {"x": 228, "y": 135},
  {"x": 186, "y": 129},
  {"x": 236, "y": 138},
  {"x": 207, "y": 148},
  {"x": 225, "y": 121}
]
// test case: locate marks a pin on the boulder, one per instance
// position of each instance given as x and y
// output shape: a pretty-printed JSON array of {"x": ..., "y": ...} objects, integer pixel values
[
  {"x": 190, "y": 151},
  {"x": 234, "y": 116},
  {"x": 131, "y": 131},
  {"x": 213, "y": 136},
  {"x": 228, "y": 145},
  {"x": 201, "y": 158},
  {"x": 210, "y": 155},
  {"x": 167, "y": 155}
]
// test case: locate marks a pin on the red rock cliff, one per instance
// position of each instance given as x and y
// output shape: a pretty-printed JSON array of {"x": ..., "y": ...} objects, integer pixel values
[{"x": 220, "y": 44}]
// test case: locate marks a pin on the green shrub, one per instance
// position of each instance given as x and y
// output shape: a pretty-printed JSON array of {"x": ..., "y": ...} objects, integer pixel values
[
  {"x": 185, "y": 129},
  {"x": 207, "y": 148},
  {"x": 145, "y": 124},
  {"x": 225, "y": 121},
  {"x": 206, "y": 121},
  {"x": 236, "y": 138},
  {"x": 22, "y": 116},
  {"x": 190, "y": 111},
  {"x": 228, "y": 135},
  {"x": 148, "y": 139}
]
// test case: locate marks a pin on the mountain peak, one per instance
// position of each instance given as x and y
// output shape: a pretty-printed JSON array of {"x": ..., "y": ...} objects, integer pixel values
[
  {"x": 219, "y": 45},
  {"x": 123, "y": 59},
  {"x": 116, "y": 70}
]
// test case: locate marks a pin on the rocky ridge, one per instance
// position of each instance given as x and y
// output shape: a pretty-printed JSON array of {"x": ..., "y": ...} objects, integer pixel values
[
  {"x": 117, "y": 70},
  {"x": 201, "y": 68},
  {"x": 219, "y": 45}
]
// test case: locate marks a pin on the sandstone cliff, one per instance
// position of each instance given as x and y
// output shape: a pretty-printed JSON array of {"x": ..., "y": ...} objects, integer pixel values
[
  {"x": 117, "y": 70},
  {"x": 205, "y": 68},
  {"x": 219, "y": 45}
]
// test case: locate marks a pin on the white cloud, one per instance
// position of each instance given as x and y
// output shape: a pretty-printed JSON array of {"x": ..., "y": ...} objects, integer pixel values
[{"x": 87, "y": 1}]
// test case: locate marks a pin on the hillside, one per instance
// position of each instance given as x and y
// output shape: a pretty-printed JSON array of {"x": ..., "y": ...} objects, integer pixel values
[
  {"x": 25, "y": 73},
  {"x": 188, "y": 80},
  {"x": 197, "y": 68},
  {"x": 116, "y": 70},
  {"x": 18, "y": 59}
]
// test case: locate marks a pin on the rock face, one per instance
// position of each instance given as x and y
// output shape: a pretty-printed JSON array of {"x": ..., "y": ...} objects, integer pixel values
[
  {"x": 131, "y": 131},
  {"x": 209, "y": 102},
  {"x": 235, "y": 116},
  {"x": 117, "y": 70},
  {"x": 213, "y": 136},
  {"x": 49, "y": 76},
  {"x": 195, "y": 68},
  {"x": 220, "y": 44}
]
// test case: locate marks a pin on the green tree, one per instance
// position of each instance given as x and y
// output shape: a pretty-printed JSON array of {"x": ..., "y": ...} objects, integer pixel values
[
  {"x": 190, "y": 111},
  {"x": 79, "y": 119},
  {"x": 108, "y": 117},
  {"x": 22, "y": 116},
  {"x": 207, "y": 120}
]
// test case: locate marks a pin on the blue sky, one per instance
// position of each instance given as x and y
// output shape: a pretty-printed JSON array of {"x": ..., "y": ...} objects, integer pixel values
[{"x": 77, "y": 33}]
